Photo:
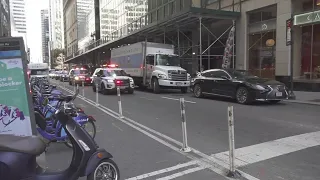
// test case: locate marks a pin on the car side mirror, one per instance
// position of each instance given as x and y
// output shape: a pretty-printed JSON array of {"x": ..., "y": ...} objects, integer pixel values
[{"x": 225, "y": 77}]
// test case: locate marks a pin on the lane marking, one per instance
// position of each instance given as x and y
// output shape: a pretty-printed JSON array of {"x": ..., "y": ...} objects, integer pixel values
[
  {"x": 164, "y": 97},
  {"x": 162, "y": 171},
  {"x": 182, "y": 173},
  {"x": 267, "y": 150},
  {"x": 117, "y": 127},
  {"x": 207, "y": 163},
  {"x": 216, "y": 164},
  {"x": 149, "y": 99}
]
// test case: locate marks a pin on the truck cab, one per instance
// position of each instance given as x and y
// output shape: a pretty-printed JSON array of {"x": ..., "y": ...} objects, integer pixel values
[{"x": 164, "y": 71}]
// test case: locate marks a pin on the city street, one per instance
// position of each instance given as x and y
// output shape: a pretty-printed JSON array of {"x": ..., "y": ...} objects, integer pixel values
[{"x": 273, "y": 142}]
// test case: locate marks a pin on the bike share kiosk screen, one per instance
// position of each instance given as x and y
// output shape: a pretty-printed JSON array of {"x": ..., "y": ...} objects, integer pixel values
[{"x": 16, "y": 110}]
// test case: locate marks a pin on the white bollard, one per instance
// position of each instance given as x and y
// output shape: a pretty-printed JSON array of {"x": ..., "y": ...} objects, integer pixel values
[
  {"x": 119, "y": 102},
  {"x": 185, "y": 147},
  {"x": 74, "y": 87},
  {"x": 97, "y": 95},
  {"x": 77, "y": 88},
  {"x": 232, "y": 171},
  {"x": 83, "y": 89}
]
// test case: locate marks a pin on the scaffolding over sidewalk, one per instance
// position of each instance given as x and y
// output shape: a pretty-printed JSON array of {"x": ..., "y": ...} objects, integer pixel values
[{"x": 188, "y": 29}]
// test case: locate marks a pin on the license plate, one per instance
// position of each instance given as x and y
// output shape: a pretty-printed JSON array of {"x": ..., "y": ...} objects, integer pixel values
[
  {"x": 178, "y": 83},
  {"x": 278, "y": 94}
]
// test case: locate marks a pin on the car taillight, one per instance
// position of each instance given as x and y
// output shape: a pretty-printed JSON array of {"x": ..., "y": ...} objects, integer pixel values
[{"x": 118, "y": 82}]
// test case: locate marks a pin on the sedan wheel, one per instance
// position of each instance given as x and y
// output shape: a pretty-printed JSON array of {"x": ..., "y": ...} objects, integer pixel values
[
  {"x": 242, "y": 96},
  {"x": 197, "y": 91}
]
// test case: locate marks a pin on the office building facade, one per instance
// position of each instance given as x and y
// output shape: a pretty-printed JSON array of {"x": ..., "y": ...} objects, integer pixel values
[
  {"x": 56, "y": 24},
  {"x": 45, "y": 35},
  {"x": 273, "y": 34},
  {"x": 18, "y": 15},
  {"x": 5, "y": 22},
  {"x": 116, "y": 14},
  {"x": 75, "y": 14}
]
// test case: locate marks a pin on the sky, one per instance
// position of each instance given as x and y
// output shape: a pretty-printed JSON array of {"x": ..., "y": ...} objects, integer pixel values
[{"x": 33, "y": 13}]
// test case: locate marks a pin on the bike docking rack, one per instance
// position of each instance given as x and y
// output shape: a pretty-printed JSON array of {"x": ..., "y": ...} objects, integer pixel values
[
  {"x": 97, "y": 95},
  {"x": 119, "y": 102},
  {"x": 233, "y": 173},
  {"x": 185, "y": 147}
]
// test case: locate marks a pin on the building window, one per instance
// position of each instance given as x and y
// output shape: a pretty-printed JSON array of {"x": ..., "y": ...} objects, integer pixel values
[
  {"x": 262, "y": 42},
  {"x": 310, "y": 55}
]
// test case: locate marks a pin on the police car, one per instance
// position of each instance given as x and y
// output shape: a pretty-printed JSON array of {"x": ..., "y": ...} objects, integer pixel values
[{"x": 108, "y": 78}]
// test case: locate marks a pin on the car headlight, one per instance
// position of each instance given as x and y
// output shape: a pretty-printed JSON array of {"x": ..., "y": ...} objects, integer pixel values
[
  {"x": 188, "y": 77},
  {"x": 76, "y": 78},
  {"x": 162, "y": 76},
  {"x": 259, "y": 87},
  {"x": 109, "y": 81}
]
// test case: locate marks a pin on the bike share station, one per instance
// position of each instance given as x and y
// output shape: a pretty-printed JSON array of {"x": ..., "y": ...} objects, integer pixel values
[{"x": 21, "y": 120}]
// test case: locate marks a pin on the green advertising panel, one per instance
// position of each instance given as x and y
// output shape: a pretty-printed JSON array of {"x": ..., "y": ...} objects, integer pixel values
[{"x": 15, "y": 106}]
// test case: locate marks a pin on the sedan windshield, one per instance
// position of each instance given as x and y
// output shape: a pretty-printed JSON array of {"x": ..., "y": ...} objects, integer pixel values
[{"x": 114, "y": 73}]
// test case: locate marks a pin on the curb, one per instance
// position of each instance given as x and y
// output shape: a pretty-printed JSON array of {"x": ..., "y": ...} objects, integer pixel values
[{"x": 303, "y": 102}]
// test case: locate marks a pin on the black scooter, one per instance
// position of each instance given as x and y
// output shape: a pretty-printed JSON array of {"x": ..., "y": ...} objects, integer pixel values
[{"x": 18, "y": 154}]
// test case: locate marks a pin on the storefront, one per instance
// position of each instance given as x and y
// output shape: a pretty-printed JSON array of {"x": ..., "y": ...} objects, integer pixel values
[
  {"x": 262, "y": 41},
  {"x": 309, "y": 22}
]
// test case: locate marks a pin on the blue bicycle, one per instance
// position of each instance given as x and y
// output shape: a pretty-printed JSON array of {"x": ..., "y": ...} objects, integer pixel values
[{"x": 46, "y": 103}]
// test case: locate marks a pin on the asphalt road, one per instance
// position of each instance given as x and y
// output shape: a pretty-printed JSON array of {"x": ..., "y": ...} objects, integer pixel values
[{"x": 273, "y": 142}]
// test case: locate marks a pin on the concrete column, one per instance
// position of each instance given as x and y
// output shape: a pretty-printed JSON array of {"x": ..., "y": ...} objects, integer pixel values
[
  {"x": 242, "y": 42},
  {"x": 297, "y": 40},
  {"x": 282, "y": 50},
  {"x": 195, "y": 51}
]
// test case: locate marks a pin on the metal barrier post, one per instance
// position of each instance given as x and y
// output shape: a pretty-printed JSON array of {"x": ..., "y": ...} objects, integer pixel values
[
  {"x": 185, "y": 147},
  {"x": 74, "y": 87},
  {"x": 77, "y": 88},
  {"x": 97, "y": 95},
  {"x": 83, "y": 89},
  {"x": 232, "y": 171},
  {"x": 119, "y": 102}
]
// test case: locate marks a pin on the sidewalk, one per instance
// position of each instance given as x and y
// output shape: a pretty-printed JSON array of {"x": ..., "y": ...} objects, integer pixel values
[{"x": 302, "y": 97}]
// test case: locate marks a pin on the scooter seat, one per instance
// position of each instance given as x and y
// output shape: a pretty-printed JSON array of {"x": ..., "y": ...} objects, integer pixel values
[{"x": 32, "y": 145}]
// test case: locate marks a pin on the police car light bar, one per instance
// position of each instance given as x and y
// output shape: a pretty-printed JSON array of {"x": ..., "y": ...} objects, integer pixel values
[{"x": 112, "y": 65}]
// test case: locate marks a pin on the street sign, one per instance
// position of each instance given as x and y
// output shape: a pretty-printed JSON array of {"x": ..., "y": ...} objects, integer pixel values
[{"x": 16, "y": 110}]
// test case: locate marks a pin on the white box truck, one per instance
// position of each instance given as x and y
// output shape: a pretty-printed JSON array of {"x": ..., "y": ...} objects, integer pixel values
[
  {"x": 38, "y": 70},
  {"x": 152, "y": 65}
]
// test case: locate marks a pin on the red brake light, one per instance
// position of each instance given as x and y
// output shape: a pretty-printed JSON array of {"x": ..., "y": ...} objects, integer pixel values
[
  {"x": 118, "y": 82},
  {"x": 112, "y": 65}
]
